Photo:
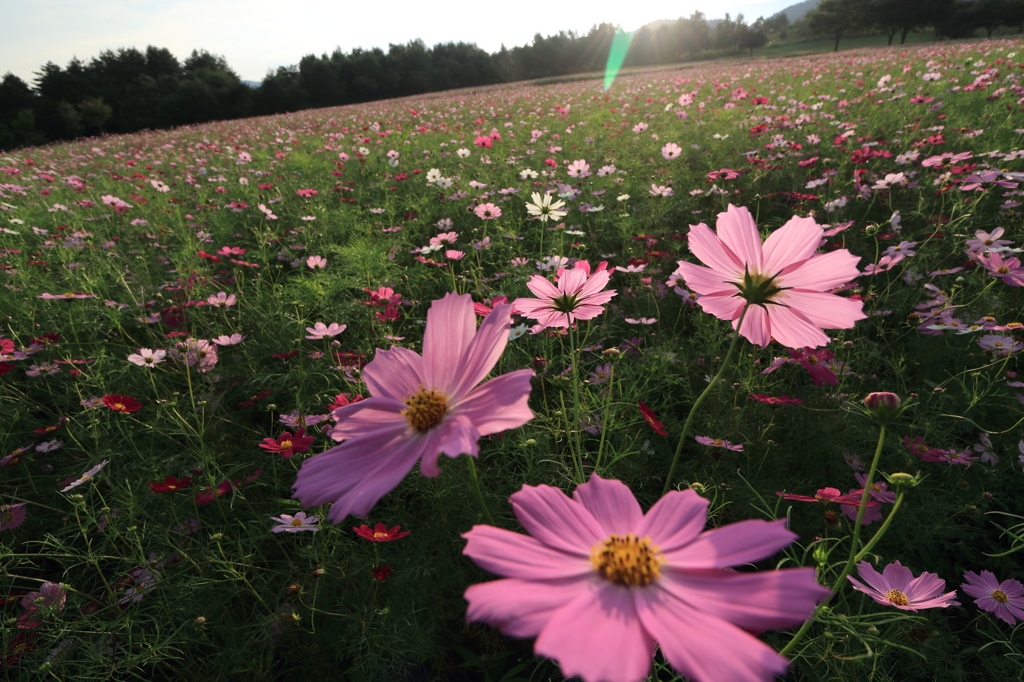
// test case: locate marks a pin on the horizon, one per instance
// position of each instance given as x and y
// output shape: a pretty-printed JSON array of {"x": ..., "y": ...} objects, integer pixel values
[{"x": 248, "y": 35}]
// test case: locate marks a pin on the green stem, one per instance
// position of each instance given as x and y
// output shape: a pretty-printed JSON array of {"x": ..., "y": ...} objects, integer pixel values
[
  {"x": 854, "y": 554},
  {"x": 574, "y": 357},
  {"x": 700, "y": 399},
  {"x": 476, "y": 489},
  {"x": 604, "y": 423}
]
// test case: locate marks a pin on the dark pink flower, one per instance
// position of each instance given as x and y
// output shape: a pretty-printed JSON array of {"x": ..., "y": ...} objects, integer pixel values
[
  {"x": 897, "y": 586},
  {"x": 600, "y": 583},
  {"x": 420, "y": 406},
  {"x": 1004, "y": 599},
  {"x": 577, "y": 296},
  {"x": 785, "y": 282}
]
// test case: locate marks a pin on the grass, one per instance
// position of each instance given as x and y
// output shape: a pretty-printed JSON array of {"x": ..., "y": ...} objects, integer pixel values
[{"x": 190, "y": 582}]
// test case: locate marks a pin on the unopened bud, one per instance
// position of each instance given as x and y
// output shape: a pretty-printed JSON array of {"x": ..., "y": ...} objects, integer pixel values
[{"x": 883, "y": 406}]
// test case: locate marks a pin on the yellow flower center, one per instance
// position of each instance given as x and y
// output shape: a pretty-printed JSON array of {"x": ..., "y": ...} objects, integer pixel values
[
  {"x": 296, "y": 522},
  {"x": 379, "y": 535},
  {"x": 1000, "y": 596},
  {"x": 425, "y": 408},
  {"x": 119, "y": 406},
  {"x": 285, "y": 445},
  {"x": 897, "y": 598},
  {"x": 627, "y": 560}
]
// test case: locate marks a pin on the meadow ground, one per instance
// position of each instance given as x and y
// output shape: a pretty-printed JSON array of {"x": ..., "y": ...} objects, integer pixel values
[{"x": 194, "y": 325}]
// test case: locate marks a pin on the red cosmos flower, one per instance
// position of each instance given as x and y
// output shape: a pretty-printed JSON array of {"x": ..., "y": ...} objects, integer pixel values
[
  {"x": 18, "y": 647},
  {"x": 811, "y": 360},
  {"x": 288, "y": 444},
  {"x": 344, "y": 399},
  {"x": 381, "y": 572},
  {"x": 652, "y": 419},
  {"x": 826, "y": 495},
  {"x": 780, "y": 400},
  {"x": 286, "y": 355},
  {"x": 211, "y": 494},
  {"x": 121, "y": 403},
  {"x": 170, "y": 484},
  {"x": 380, "y": 533}
]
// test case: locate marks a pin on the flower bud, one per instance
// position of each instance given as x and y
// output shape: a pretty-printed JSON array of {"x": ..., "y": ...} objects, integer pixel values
[{"x": 883, "y": 406}]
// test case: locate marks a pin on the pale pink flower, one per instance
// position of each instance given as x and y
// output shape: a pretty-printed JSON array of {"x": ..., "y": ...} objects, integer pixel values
[
  {"x": 785, "y": 282},
  {"x": 454, "y": 254},
  {"x": 661, "y": 190},
  {"x": 579, "y": 169},
  {"x": 147, "y": 357},
  {"x": 577, "y": 296},
  {"x": 444, "y": 238},
  {"x": 600, "y": 583},
  {"x": 314, "y": 262},
  {"x": 322, "y": 331},
  {"x": 897, "y": 586},
  {"x": 671, "y": 151},
  {"x": 293, "y": 524},
  {"x": 420, "y": 406},
  {"x": 718, "y": 443},
  {"x": 222, "y": 299},
  {"x": 1009, "y": 270},
  {"x": 487, "y": 211},
  {"x": 225, "y": 340}
]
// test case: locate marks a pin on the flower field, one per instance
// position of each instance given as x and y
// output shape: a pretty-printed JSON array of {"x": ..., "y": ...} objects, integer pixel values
[{"x": 714, "y": 374}]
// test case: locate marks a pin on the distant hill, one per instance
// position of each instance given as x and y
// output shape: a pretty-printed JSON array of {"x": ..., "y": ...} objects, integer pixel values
[
  {"x": 797, "y": 12},
  {"x": 252, "y": 84}
]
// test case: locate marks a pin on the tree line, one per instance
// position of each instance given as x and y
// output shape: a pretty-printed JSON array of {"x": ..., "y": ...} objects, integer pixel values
[
  {"x": 127, "y": 90},
  {"x": 948, "y": 18}
]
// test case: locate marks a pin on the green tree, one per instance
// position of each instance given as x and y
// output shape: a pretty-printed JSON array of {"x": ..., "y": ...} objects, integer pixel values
[
  {"x": 834, "y": 18},
  {"x": 93, "y": 113}
]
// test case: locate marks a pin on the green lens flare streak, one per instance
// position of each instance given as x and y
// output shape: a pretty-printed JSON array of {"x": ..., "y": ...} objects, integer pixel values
[{"x": 616, "y": 55}]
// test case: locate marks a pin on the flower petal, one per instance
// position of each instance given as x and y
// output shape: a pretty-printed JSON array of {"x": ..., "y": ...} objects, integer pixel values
[
  {"x": 793, "y": 330},
  {"x": 706, "y": 245},
  {"x": 675, "y": 520},
  {"x": 550, "y": 516},
  {"x": 482, "y": 353},
  {"x": 499, "y": 404},
  {"x": 521, "y": 608},
  {"x": 827, "y": 311},
  {"x": 598, "y": 636},
  {"x": 794, "y": 242},
  {"x": 357, "y": 473},
  {"x": 767, "y": 600},
  {"x": 737, "y": 230},
  {"x": 513, "y": 555},
  {"x": 367, "y": 417},
  {"x": 703, "y": 647},
  {"x": 757, "y": 327},
  {"x": 823, "y": 272},
  {"x": 395, "y": 373},
  {"x": 738, "y": 543},
  {"x": 612, "y": 504},
  {"x": 451, "y": 326},
  {"x": 705, "y": 280}
]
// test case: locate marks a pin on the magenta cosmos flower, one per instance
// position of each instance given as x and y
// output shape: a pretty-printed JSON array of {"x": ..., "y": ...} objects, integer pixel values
[
  {"x": 419, "y": 407},
  {"x": 577, "y": 296},
  {"x": 897, "y": 586},
  {"x": 784, "y": 280},
  {"x": 600, "y": 583},
  {"x": 1004, "y": 599}
]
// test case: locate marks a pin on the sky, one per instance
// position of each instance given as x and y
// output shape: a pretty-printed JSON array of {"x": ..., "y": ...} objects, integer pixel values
[{"x": 259, "y": 35}]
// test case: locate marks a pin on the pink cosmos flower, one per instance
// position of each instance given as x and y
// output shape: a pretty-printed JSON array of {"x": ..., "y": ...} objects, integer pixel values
[
  {"x": 1004, "y": 599},
  {"x": 897, "y": 586},
  {"x": 420, "y": 406},
  {"x": 1009, "y": 270},
  {"x": 487, "y": 211},
  {"x": 600, "y": 582},
  {"x": 222, "y": 298},
  {"x": 577, "y": 296},
  {"x": 671, "y": 151},
  {"x": 784, "y": 281},
  {"x": 323, "y": 331},
  {"x": 147, "y": 357},
  {"x": 293, "y": 524},
  {"x": 718, "y": 443},
  {"x": 39, "y": 606},
  {"x": 225, "y": 340},
  {"x": 314, "y": 262},
  {"x": 12, "y": 515}
]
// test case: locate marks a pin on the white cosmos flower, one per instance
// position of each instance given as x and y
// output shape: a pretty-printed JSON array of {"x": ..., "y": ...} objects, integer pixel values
[{"x": 544, "y": 209}]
